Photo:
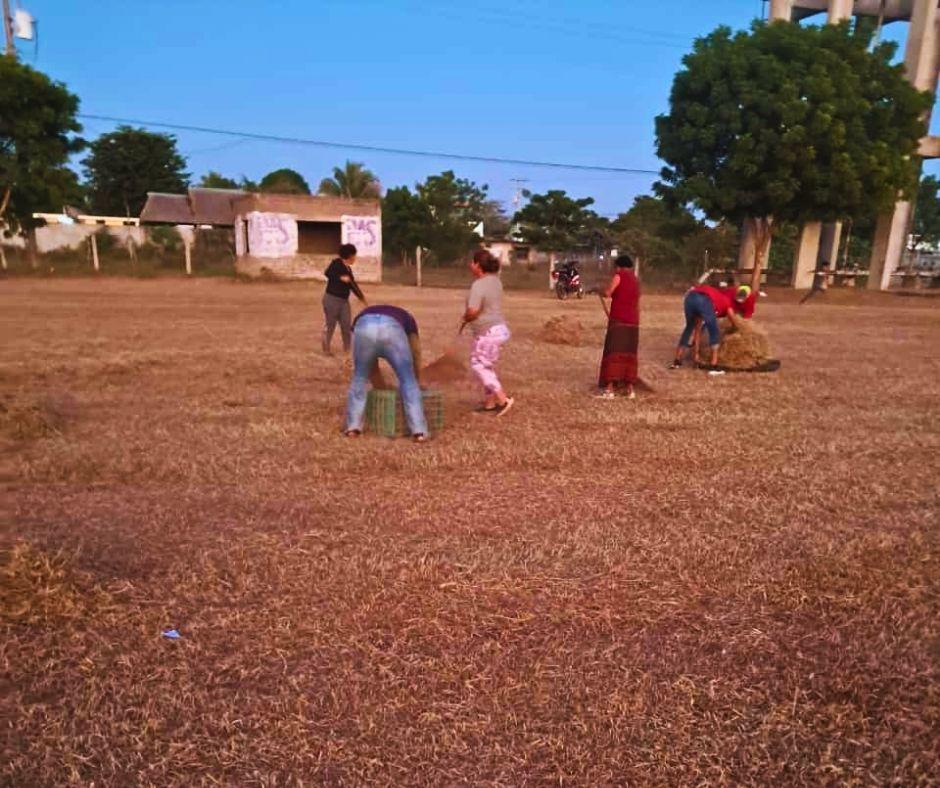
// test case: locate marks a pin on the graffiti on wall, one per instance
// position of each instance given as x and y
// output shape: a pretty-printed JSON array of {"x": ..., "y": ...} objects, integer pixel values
[
  {"x": 272, "y": 234},
  {"x": 365, "y": 232}
]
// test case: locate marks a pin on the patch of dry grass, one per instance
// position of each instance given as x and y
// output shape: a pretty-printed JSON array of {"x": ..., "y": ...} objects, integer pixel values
[{"x": 729, "y": 581}]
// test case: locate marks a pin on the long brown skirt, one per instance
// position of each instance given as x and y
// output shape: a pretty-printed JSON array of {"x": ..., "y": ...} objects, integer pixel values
[{"x": 619, "y": 363}]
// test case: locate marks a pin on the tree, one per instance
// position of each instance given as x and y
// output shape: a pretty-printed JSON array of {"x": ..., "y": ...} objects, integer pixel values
[
  {"x": 556, "y": 222},
  {"x": 125, "y": 164},
  {"x": 789, "y": 123},
  {"x": 927, "y": 213},
  {"x": 37, "y": 128},
  {"x": 454, "y": 205},
  {"x": 496, "y": 223},
  {"x": 284, "y": 181},
  {"x": 352, "y": 180},
  {"x": 406, "y": 222},
  {"x": 656, "y": 233},
  {"x": 216, "y": 180}
]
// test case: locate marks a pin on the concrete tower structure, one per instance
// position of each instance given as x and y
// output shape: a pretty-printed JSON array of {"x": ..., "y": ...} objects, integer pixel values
[{"x": 820, "y": 241}]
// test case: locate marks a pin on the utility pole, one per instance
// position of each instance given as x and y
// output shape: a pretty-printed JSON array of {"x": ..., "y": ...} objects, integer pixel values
[
  {"x": 517, "y": 197},
  {"x": 10, "y": 50}
]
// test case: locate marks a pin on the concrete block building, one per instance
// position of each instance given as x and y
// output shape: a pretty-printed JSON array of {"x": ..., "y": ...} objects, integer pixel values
[
  {"x": 287, "y": 236},
  {"x": 296, "y": 236}
]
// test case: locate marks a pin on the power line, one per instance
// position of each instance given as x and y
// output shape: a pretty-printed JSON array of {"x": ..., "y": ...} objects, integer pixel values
[{"x": 246, "y": 135}]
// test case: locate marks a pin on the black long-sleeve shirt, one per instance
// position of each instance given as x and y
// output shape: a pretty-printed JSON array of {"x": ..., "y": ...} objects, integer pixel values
[{"x": 335, "y": 285}]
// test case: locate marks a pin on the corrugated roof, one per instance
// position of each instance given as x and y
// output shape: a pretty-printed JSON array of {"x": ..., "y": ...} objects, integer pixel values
[
  {"x": 199, "y": 206},
  {"x": 167, "y": 209},
  {"x": 214, "y": 206}
]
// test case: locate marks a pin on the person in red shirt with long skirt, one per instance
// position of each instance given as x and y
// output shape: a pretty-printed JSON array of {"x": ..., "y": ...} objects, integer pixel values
[
  {"x": 619, "y": 362},
  {"x": 704, "y": 305}
]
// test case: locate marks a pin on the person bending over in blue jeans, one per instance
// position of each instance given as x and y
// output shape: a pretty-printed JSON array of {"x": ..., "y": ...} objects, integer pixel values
[
  {"x": 703, "y": 305},
  {"x": 389, "y": 332}
]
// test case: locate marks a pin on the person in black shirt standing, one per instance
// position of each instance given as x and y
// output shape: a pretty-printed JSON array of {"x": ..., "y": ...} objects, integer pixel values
[{"x": 339, "y": 282}]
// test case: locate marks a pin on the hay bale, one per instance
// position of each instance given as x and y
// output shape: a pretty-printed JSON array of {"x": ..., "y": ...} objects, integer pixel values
[
  {"x": 746, "y": 348},
  {"x": 562, "y": 330}
]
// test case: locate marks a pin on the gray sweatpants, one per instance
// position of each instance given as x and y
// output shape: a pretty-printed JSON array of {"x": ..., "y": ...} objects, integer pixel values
[{"x": 336, "y": 310}]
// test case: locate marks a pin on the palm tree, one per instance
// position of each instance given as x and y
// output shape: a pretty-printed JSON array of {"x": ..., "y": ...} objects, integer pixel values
[{"x": 352, "y": 180}]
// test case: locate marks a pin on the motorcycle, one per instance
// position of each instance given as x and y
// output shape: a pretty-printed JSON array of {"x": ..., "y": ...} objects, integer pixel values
[{"x": 567, "y": 280}]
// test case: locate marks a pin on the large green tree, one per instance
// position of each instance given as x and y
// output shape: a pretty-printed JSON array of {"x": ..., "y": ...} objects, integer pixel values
[
  {"x": 351, "y": 180},
  {"x": 406, "y": 221},
  {"x": 454, "y": 205},
  {"x": 789, "y": 123},
  {"x": 496, "y": 223},
  {"x": 656, "y": 232},
  {"x": 125, "y": 164},
  {"x": 37, "y": 137},
  {"x": 284, "y": 181},
  {"x": 927, "y": 213},
  {"x": 556, "y": 222}
]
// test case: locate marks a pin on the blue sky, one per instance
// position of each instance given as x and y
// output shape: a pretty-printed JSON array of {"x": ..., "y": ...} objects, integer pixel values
[{"x": 575, "y": 82}]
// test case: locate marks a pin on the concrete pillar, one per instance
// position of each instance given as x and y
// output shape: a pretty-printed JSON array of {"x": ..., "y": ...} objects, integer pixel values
[
  {"x": 921, "y": 58},
  {"x": 887, "y": 249},
  {"x": 920, "y": 54},
  {"x": 840, "y": 10},
  {"x": 807, "y": 253},
  {"x": 829, "y": 238},
  {"x": 781, "y": 9}
]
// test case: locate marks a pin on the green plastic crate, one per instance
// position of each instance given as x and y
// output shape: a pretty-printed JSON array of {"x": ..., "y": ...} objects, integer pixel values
[{"x": 385, "y": 415}]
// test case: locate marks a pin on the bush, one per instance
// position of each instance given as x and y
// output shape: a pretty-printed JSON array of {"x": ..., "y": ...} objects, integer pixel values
[
  {"x": 105, "y": 241},
  {"x": 165, "y": 239},
  {"x": 214, "y": 245}
]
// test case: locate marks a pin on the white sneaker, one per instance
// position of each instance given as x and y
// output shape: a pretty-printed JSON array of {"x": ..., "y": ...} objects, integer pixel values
[
  {"x": 604, "y": 395},
  {"x": 502, "y": 410}
]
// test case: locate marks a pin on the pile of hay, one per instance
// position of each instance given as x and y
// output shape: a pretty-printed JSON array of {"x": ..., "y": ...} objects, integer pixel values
[
  {"x": 447, "y": 369},
  {"x": 742, "y": 349},
  {"x": 562, "y": 330}
]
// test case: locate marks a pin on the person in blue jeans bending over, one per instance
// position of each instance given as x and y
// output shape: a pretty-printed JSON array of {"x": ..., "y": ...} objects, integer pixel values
[
  {"x": 389, "y": 332},
  {"x": 703, "y": 305}
]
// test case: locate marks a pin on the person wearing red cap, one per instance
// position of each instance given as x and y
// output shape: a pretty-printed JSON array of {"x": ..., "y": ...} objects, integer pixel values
[{"x": 704, "y": 305}]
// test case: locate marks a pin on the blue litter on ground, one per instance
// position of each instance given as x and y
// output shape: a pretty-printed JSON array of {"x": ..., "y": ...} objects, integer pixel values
[{"x": 172, "y": 634}]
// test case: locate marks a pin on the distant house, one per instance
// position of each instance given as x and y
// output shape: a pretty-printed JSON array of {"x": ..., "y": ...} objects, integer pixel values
[
  {"x": 509, "y": 252},
  {"x": 291, "y": 236}
]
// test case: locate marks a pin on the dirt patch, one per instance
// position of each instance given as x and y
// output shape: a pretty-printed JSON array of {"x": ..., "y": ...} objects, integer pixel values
[{"x": 562, "y": 330}]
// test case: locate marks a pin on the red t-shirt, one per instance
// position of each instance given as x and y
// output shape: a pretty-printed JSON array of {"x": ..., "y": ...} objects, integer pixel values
[
  {"x": 625, "y": 300},
  {"x": 744, "y": 308},
  {"x": 722, "y": 299}
]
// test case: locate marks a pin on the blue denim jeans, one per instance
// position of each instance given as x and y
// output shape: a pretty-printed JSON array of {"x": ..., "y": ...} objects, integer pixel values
[
  {"x": 698, "y": 306},
  {"x": 375, "y": 337}
]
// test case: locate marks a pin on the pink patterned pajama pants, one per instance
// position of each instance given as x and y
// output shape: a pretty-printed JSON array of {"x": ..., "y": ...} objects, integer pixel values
[{"x": 484, "y": 353}]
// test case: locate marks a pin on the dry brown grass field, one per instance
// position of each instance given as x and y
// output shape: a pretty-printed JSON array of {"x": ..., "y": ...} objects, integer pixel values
[{"x": 730, "y": 580}]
